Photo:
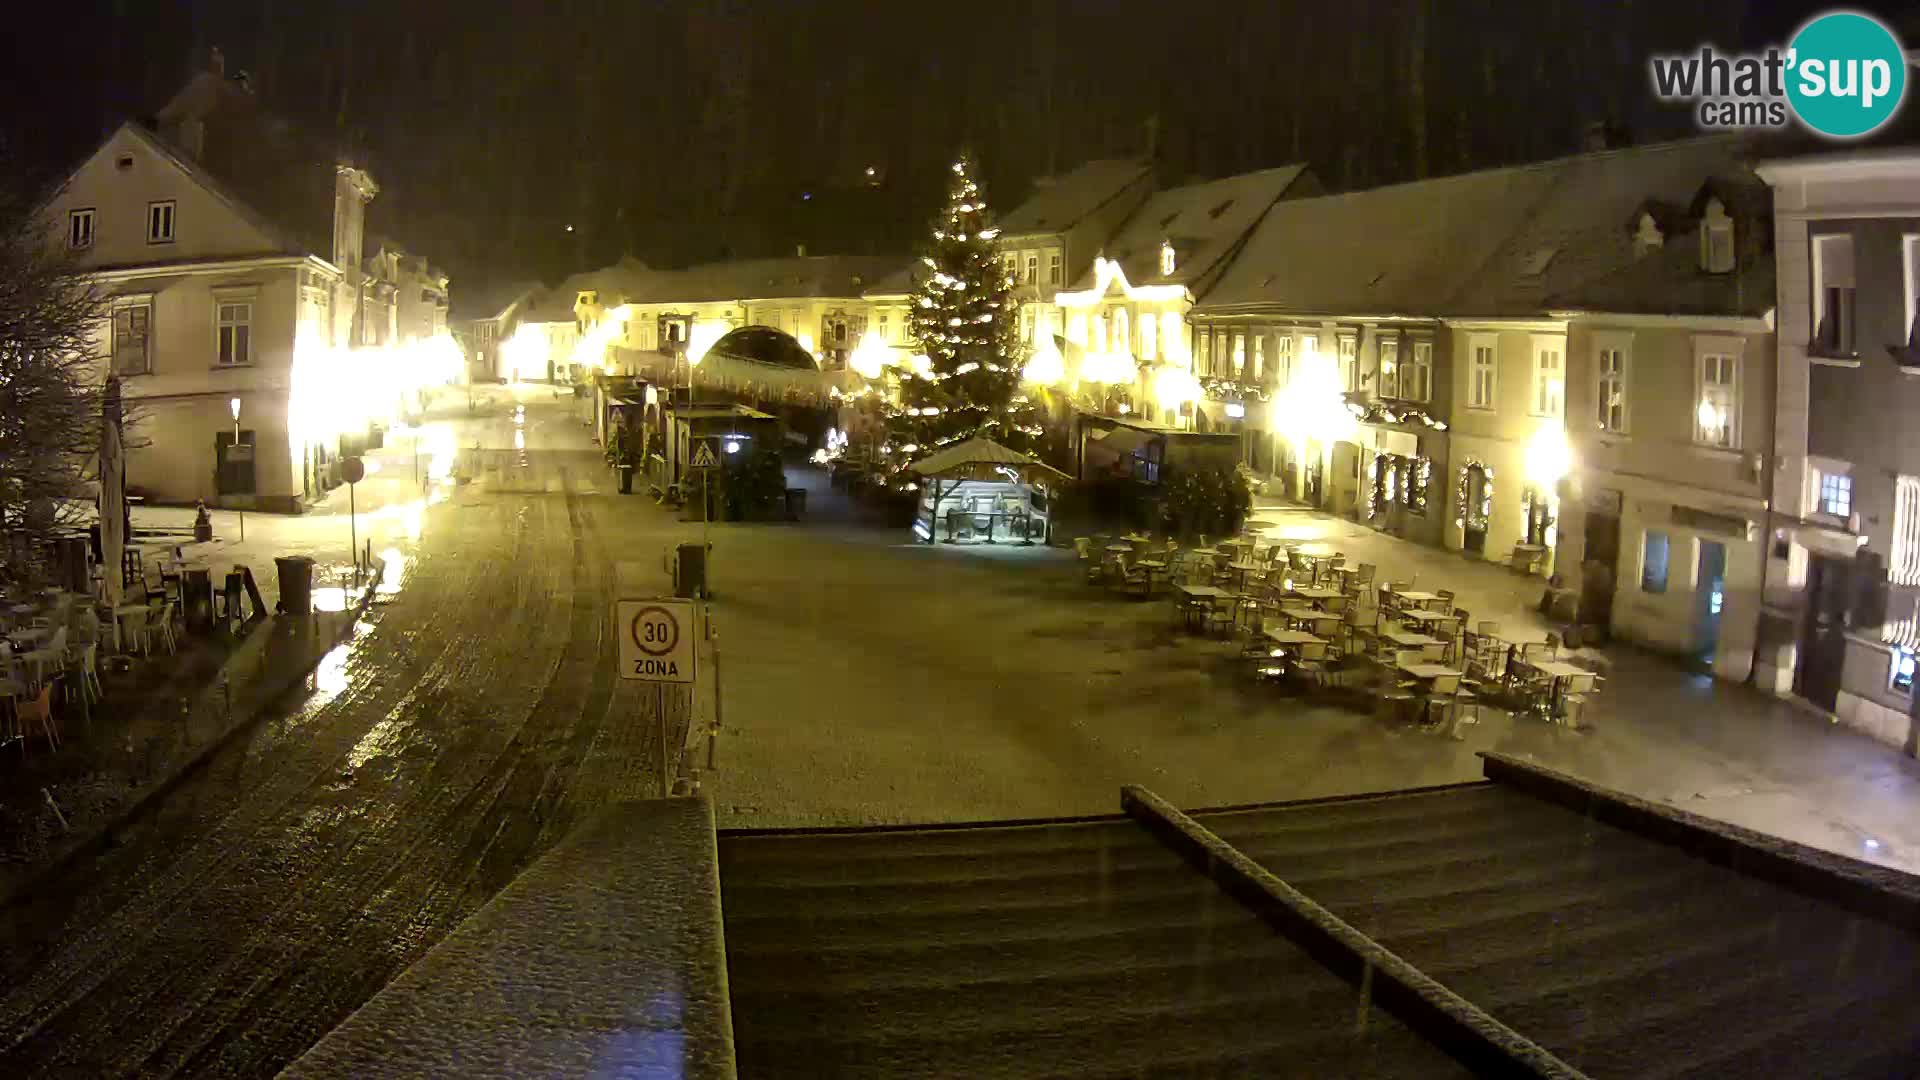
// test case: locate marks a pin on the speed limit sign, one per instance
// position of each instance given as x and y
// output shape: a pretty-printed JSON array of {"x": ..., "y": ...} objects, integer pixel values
[{"x": 656, "y": 639}]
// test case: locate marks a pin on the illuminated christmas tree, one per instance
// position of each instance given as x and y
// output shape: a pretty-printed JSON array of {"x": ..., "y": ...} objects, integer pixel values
[{"x": 964, "y": 322}]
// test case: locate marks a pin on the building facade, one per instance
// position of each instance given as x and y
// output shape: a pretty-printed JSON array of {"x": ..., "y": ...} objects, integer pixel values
[
  {"x": 485, "y": 321},
  {"x": 214, "y": 300},
  {"x": 1843, "y": 573},
  {"x": 1050, "y": 241},
  {"x": 1125, "y": 345},
  {"x": 1564, "y": 367}
]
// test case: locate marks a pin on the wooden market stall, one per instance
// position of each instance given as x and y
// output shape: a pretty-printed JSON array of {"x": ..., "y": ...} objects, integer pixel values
[{"x": 982, "y": 492}]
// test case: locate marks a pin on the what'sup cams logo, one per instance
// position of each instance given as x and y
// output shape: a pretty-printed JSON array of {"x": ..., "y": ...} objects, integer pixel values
[{"x": 1843, "y": 75}]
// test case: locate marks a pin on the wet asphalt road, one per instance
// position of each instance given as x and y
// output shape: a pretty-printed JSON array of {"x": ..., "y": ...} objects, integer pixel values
[{"x": 470, "y": 723}]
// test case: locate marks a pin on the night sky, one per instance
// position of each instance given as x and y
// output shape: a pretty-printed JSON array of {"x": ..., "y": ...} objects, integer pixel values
[{"x": 679, "y": 132}]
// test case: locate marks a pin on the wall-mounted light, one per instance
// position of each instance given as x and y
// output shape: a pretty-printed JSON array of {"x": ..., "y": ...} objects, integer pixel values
[
  {"x": 233, "y": 406},
  {"x": 1235, "y": 410}
]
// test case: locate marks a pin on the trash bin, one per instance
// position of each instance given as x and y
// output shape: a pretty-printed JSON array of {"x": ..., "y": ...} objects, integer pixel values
[
  {"x": 626, "y": 479},
  {"x": 690, "y": 570},
  {"x": 796, "y": 503},
  {"x": 231, "y": 593},
  {"x": 296, "y": 584},
  {"x": 74, "y": 570},
  {"x": 196, "y": 598}
]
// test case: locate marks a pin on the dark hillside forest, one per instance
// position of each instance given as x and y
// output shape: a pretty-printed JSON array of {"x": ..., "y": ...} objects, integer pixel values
[{"x": 686, "y": 131}]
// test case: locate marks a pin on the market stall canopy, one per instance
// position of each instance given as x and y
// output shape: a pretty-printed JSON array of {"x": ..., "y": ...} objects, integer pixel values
[
  {"x": 1120, "y": 440},
  {"x": 982, "y": 458}
]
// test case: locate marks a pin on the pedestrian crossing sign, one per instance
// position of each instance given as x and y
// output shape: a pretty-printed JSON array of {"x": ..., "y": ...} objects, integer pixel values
[{"x": 703, "y": 456}]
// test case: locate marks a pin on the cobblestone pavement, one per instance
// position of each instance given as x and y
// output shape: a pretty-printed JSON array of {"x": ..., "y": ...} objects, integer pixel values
[{"x": 865, "y": 680}]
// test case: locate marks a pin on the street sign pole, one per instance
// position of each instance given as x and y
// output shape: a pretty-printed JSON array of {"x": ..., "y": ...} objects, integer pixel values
[
  {"x": 713, "y": 733},
  {"x": 353, "y": 470},
  {"x": 660, "y": 714},
  {"x": 655, "y": 643}
]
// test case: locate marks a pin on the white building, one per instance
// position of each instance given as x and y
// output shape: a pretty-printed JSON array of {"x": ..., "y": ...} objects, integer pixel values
[
  {"x": 231, "y": 253},
  {"x": 1843, "y": 577}
]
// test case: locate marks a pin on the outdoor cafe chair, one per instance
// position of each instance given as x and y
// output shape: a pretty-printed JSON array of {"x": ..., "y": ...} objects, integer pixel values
[
  {"x": 52, "y": 656},
  {"x": 133, "y": 630},
  {"x": 1132, "y": 580},
  {"x": 1393, "y": 696},
  {"x": 83, "y": 664},
  {"x": 1444, "y": 605},
  {"x": 1441, "y": 695},
  {"x": 1090, "y": 558},
  {"x": 1310, "y": 659},
  {"x": 165, "y": 628},
  {"x": 37, "y": 709},
  {"x": 1220, "y": 614},
  {"x": 1573, "y": 700}
]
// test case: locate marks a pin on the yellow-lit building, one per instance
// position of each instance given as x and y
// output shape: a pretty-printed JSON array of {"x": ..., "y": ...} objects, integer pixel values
[
  {"x": 1124, "y": 343},
  {"x": 1048, "y": 242},
  {"x": 1559, "y": 366},
  {"x": 226, "y": 249}
]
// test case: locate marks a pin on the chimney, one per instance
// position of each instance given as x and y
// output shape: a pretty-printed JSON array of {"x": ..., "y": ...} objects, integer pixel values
[
  {"x": 800, "y": 250},
  {"x": 217, "y": 61},
  {"x": 191, "y": 137}
]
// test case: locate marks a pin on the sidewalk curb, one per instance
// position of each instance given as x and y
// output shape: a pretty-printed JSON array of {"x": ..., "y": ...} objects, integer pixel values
[{"x": 102, "y": 835}]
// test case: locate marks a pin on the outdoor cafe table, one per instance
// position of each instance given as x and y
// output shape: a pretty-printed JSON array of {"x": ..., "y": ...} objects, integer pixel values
[
  {"x": 1314, "y": 592},
  {"x": 1319, "y": 621},
  {"x": 1290, "y": 637},
  {"x": 1191, "y": 593},
  {"x": 120, "y": 615},
  {"x": 1426, "y": 672},
  {"x": 1560, "y": 672},
  {"x": 1151, "y": 566},
  {"x": 1422, "y": 615},
  {"x": 1415, "y": 596},
  {"x": 1407, "y": 639},
  {"x": 1243, "y": 567}
]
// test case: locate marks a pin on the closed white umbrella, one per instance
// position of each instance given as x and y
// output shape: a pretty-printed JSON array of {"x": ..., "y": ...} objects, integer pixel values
[{"x": 113, "y": 498}]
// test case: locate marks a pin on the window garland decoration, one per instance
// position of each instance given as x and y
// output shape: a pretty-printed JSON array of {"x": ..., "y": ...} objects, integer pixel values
[
  {"x": 1417, "y": 488},
  {"x": 1462, "y": 487}
]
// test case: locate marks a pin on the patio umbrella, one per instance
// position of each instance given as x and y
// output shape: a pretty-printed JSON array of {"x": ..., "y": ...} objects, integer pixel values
[{"x": 113, "y": 495}]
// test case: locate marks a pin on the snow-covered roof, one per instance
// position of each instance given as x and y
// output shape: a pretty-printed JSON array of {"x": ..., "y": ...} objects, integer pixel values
[
  {"x": 1514, "y": 241},
  {"x": 976, "y": 451},
  {"x": 898, "y": 283},
  {"x": 1060, "y": 202},
  {"x": 1204, "y": 222},
  {"x": 775, "y": 279}
]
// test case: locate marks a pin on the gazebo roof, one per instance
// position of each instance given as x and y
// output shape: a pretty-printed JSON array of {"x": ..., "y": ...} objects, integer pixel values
[{"x": 974, "y": 454}]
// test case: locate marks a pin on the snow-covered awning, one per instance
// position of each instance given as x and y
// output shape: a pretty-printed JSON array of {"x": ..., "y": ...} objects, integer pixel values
[{"x": 764, "y": 381}]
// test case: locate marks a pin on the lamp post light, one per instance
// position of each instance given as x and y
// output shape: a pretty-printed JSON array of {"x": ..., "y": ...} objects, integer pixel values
[{"x": 233, "y": 406}]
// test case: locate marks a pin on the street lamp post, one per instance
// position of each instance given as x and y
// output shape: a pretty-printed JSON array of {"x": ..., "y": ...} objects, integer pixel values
[{"x": 233, "y": 406}]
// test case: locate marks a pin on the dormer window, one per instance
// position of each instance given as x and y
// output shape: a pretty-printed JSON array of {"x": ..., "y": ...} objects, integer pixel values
[
  {"x": 1716, "y": 239},
  {"x": 1647, "y": 238},
  {"x": 1166, "y": 258}
]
